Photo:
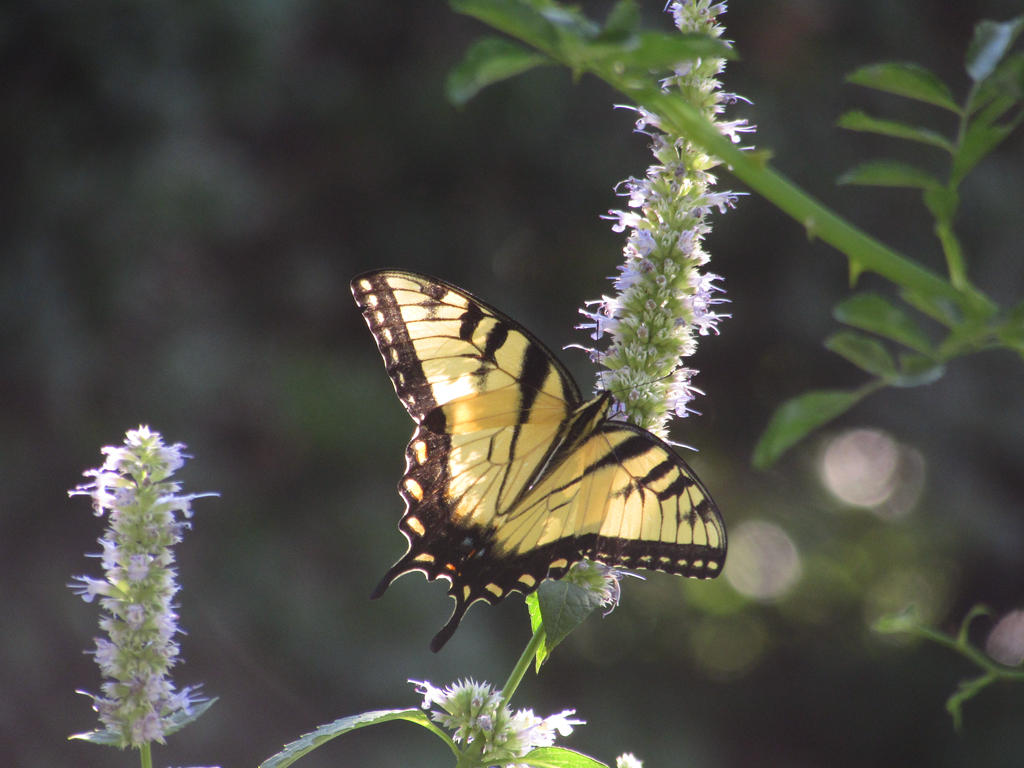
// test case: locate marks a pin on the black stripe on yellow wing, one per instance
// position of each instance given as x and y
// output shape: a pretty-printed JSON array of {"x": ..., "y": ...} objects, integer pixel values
[
  {"x": 628, "y": 500},
  {"x": 441, "y": 344},
  {"x": 510, "y": 478}
]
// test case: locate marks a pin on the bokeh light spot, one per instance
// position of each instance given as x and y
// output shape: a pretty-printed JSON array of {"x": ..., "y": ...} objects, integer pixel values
[
  {"x": 859, "y": 466},
  {"x": 1005, "y": 642},
  {"x": 764, "y": 563},
  {"x": 726, "y": 649},
  {"x": 867, "y": 468}
]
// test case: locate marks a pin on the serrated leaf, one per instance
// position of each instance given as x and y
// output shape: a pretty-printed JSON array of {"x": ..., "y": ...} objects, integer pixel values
[
  {"x": 798, "y": 417},
  {"x": 558, "y": 757},
  {"x": 310, "y": 741},
  {"x": 875, "y": 313},
  {"x": 488, "y": 61},
  {"x": 992, "y": 40},
  {"x": 905, "y": 79},
  {"x": 181, "y": 718},
  {"x": 103, "y": 738},
  {"x": 866, "y": 353},
  {"x": 563, "y": 606},
  {"x": 177, "y": 721},
  {"x": 857, "y": 120},
  {"x": 889, "y": 173}
]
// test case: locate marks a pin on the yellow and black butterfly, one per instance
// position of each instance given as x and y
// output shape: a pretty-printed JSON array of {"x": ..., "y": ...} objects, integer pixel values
[{"x": 510, "y": 476}]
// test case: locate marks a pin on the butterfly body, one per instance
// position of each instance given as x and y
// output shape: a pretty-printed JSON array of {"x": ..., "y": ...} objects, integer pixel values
[{"x": 511, "y": 477}]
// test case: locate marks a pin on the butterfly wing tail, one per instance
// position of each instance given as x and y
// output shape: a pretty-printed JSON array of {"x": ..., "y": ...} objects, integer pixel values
[
  {"x": 448, "y": 629},
  {"x": 407, "y": 564},
  {"x": 382, "y": 585}
]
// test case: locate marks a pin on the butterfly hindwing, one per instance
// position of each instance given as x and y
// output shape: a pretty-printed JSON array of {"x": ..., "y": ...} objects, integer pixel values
[
  {"x": 629, "y": 500},
  {"x": 510, "y": 477}
]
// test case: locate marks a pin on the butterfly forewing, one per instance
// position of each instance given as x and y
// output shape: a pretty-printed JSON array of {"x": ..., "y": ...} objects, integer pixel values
[
  {"x": 442, "y": 345},
  {"x": 510, "y": 478}
]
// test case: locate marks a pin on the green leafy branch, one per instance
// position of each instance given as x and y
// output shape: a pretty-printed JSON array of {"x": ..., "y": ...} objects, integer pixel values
[
  {"x": 624, "y": 57},
  {"x": 990, "y": 112},
  {"x": 991, "y": 671},
  {"x": 618, "y": 52}
]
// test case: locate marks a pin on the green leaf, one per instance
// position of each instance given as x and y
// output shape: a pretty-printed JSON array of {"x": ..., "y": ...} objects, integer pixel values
[
  {"x": 905, "y": 79},
  {"x": 980, "y": 138},
  {"x": 1004, "y": 88},
  {"x": 650, "y": 52},
  {"x": 103, "y": 738},
  {"x": 991, "y": 42},
  {"x": 875, "y": 313},
  {"x": 917, "y": 371},
  {"x": 536, "y": 620},
  {"x": 563, "y": 606},
  {"x": 310, "y": 741},
  {"x": 798, "y": 417},
  {"x": 938, "y": 308},
  {"x": 907, "y": 620},
  {"x": 558, "y": 757},
  {"x": 889, "y": 173},
  {"x": 568, "y": 19},
  {"x": 513, "y": 17},
  {"x": 622, "y": 21},
  {"x": 657, "y": 51},
  {"x": 866, "y": 353},
  {"x": 856, "y": 120},
  {"x": 177, "y": 721},
  {"x": 181, "y": 718},
  {"x": 1012, "y": 331},
  {"x": 488, "y": 61},
  {"x": 942, "y": 202}
]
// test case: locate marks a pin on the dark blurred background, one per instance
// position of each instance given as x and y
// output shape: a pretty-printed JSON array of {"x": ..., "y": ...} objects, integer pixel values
[{"x": 187, "y": 190}]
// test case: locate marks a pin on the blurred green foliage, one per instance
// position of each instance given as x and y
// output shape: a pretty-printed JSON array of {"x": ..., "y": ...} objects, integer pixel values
[{"x": 188, "y": 189}]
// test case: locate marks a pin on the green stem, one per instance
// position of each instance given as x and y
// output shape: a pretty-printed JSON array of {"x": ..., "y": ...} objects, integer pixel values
[
  {"x": 971, "y": 653},
  {"x": 945, "y": 212},
  {"x": 819, "y": 221},
  {"x": 953, "y": 252},
  {"x": 522, "y": 665},
  {"x": 679, "y": 117},
  {"x": 145, "y": 756},
  {"x": 470, "y": 756}
]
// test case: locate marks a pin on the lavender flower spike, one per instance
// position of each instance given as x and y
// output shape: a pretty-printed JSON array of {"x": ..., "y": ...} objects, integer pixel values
[
  {"x": 146, "y": 516},
  {"x": 663, "y": 299}
]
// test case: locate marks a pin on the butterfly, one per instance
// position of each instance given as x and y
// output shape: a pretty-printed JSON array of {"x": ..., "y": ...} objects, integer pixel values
[{"x": 511, "y": 477}]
